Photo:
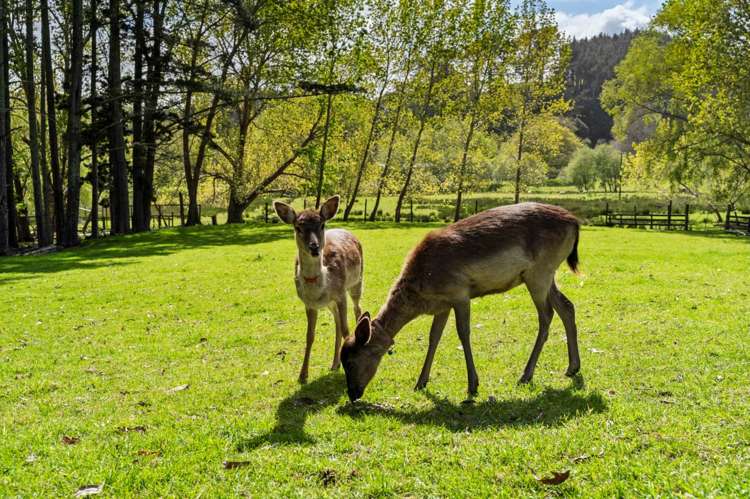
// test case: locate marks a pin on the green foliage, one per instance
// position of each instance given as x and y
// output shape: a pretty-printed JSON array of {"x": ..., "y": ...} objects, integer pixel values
[
  {"x": 600, "y": 166},
  {"x": 681, "y": 96}
]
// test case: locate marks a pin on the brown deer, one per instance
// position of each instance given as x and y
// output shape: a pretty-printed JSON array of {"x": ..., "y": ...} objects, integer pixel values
[
  {"x": 488, "y": 253},
  {"x": 328, "y": 265}
]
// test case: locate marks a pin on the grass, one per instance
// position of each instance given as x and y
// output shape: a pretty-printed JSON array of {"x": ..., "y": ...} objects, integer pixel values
[{"x": 94, "y": 341}]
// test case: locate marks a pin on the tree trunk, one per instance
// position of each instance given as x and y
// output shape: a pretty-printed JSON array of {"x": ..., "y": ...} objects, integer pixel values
[
  {"x": 70, "y": 234},
  {"x": 153, "y": 86},
  {"x": 39, "y": 216},
  {"x": 519, "y": 157},
  {"x": 6, "y": 138},
  {"x": 49, "y": 201},
  {"x": 322, "y": 164},
  {"x": 412, "y": 161},
  {"x": 5, "y": 227},
  {"x": 236, "y": 208},
  {"x": 54, "y": 148},
  {"x": 95, "y": 135},
  {"x": 462, "y": 170},
  {"x": 139, "y": 153},
  {"x": 120, "y": 203},
  {"x": 366, "y": 153}
]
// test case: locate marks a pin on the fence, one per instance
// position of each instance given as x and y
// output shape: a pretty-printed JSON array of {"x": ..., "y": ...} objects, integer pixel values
[
  {"x": 735, "y": 222},
  {"x": 670, "y": 220}
]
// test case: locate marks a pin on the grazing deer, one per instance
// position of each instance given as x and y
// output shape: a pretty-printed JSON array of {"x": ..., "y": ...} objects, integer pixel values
[
  {"x": 488, "y": 253},
  {"x": 329, "y": 263}
]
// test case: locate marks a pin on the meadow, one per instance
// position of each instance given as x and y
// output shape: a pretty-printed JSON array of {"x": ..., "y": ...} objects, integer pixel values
[{"x": 165, "y": 365}]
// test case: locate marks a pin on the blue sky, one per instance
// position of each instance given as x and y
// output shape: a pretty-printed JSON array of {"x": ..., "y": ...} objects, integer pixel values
[{"x": 584, "y": 18}]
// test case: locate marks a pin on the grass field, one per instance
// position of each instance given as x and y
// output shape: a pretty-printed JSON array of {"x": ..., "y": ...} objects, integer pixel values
[{"x": 143, "y": 363}]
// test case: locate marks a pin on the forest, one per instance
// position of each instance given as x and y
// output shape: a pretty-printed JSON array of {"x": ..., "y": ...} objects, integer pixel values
[{"x": 110, "y": 107}]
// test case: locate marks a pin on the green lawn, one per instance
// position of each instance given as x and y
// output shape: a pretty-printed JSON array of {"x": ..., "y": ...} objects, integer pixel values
[{"x": 98, "y": 343}]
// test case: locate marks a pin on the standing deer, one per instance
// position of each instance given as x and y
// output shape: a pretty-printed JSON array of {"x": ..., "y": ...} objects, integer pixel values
[
  {"x": 328, "y": 265},
  {"x": 488, "y": 253}
]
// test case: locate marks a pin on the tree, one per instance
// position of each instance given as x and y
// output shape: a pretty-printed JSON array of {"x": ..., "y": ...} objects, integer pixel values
[
  {"x": 486, "y": 37},
  {"x": 537, "y": 75},
  {"x": 683, "y": 86},
  {"x": 5, "y": 227},
  {"x": 119, "y": 198},
  {"x": 42, "y": 230}
]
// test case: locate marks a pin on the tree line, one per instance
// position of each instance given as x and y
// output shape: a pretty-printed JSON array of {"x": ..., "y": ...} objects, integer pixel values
[{"x": 108, "y": 105}]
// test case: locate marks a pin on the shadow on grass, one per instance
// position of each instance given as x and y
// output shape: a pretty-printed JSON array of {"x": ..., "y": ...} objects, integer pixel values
[
  {"x": 552, "y": 407},
  {"x": 293, "y": 411},
  {"x": 123, "y": 250}
]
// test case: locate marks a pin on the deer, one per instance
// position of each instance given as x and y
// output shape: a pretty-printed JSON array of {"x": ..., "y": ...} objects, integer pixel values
[
  {"x": 328, "y": 265},
  {"x": 488, "y": 253}
]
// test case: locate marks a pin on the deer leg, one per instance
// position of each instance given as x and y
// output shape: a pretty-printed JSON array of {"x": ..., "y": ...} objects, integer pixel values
[
  {"x": 436, "y": 331},
  {"x": 356, "y": 293},
  {"x": 545, "y": 314},
  {"x": 567, "y": 313},
  {"x": 463, "y": 326},
  {"x": 312, "y": 318},
  {"x": 342, "y": 331}
]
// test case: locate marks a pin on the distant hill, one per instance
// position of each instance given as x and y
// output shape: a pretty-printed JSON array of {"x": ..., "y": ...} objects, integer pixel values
[{"x": 592, "y": 63}]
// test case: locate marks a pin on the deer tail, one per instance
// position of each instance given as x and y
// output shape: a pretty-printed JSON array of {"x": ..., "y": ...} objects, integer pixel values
[{"x": 573, "y": 256}]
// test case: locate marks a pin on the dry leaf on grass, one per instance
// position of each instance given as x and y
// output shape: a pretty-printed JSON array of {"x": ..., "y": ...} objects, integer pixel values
[
  {"x": 89, "y": 490},
  {"x": 70, "y": 440},
  {"x": 327, "y": 477},
  {"x": 556, "y": 479},
  {"x": 131, "y": 429},
  {"x": 178, "y": 388},
  {"x": 146, "y": 452},
  {"x": 230, "y": 465}
]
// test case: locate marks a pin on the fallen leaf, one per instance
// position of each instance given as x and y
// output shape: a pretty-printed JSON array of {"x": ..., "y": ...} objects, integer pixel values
[
  {"x": 31, "y": 458},
  {"x": 328, "y": 477},
  {"x": 178, "y": 388},
  {"x": 203, "y": 340},
  {"x": 143, "y": 403},
  {"x": 70, "y": 440},
  {"x": 556, "y": 479},
  {"x": 265, "y": 373},
  {"x": 594, "y": 350},
  {"x": 146, "y": 452},
  {"x": 667, "y": 401},
  {"x": 89, "y": 490},
  {"x": 581, "y": 458},
  {"x": 230, "y": 465},
  {"x": 131, "y": 429}
]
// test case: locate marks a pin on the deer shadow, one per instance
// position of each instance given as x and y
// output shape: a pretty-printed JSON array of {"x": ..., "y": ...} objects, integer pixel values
[
  {"x": 551, "y": 407},
  {"x": 293, "y": 411}
]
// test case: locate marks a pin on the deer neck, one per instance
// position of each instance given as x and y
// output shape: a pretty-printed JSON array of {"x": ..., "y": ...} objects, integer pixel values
[
  {"x": 397, "y": 312},
  {"x": 311, "y": 268}
]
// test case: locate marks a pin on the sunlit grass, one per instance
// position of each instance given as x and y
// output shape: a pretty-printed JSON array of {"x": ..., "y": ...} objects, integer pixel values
[{"x": 94, "y": 341}]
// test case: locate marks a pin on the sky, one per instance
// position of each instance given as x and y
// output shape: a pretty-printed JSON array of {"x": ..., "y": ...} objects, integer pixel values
[{"x": 585, "y": 18}]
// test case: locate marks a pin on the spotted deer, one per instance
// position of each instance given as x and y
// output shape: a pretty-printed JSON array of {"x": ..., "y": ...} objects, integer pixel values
[
  {"x": 488, "y": 253},
  {"x": 328, "y": 265}
]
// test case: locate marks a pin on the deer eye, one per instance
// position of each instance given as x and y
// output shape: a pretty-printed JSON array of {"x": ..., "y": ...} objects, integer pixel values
[{"x": 323, "y": 227}]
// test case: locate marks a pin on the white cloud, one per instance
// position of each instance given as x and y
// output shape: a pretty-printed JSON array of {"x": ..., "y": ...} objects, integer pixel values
[{"x": 612, "y": 20}]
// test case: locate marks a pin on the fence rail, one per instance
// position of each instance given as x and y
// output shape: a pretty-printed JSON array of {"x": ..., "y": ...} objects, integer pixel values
[
  {"x": 668, "y": 221},
  {"x": 735, "y": 222}
]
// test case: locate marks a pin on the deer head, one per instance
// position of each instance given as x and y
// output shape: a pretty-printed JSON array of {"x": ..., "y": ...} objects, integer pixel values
[
  {"x": 361, "y": 356},
  {"x": 309, "y": 226}
]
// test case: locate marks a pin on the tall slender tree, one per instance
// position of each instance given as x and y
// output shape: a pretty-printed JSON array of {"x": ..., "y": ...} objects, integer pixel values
[
  {"x": 139, "y": 151},
  {"x": 5, "y": 227},
  {"x": 119, "y": 200},
  {"x": 70, "y": 234},
  {"x": 94, "y": 174},
  {"x": 54, "y": 148},
  {"x": 30, "y": 90}
]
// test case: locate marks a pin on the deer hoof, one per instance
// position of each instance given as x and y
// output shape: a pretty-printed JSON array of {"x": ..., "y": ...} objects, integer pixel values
[
  {"x": 302, "y": 379},
  {"x": 421, "y": 385},
  {"x": 335, "y": 366},
  {"x": 572, "y": 371},
  {"x": 474, "y": 388},
  {"x": 525, "y": 380}
]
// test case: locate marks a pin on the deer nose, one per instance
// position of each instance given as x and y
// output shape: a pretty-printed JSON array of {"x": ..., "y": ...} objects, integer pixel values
[
  {"x": 314, "y": 249},
  {"x": 355, "y": 393}
]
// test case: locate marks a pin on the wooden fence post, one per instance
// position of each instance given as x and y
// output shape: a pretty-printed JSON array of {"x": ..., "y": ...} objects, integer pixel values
[
  {"x": 214, "y": 221},
  {"x": 669, "y": 215},
  {"x": 265, "y": 212},
  {"x": 304, "y": 203},
  {"x": 182, "y": 210},
  {"x": 727, "y": 222},
  {"x": 364, "y": 212},
  {"x": 606, "y": 213},
  {"x": 411, "y": 210},
  {"x": 687, "y": 217},
  {"x": 476, "y": 206},
  {"x": 635, "y": 216}
]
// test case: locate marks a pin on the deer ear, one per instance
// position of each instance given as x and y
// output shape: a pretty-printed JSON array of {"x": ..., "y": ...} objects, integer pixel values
[
  {"x": 363, "y": 331},
  {"x": 329, "y": 208},
  {"x": 285, "y": 212}
]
